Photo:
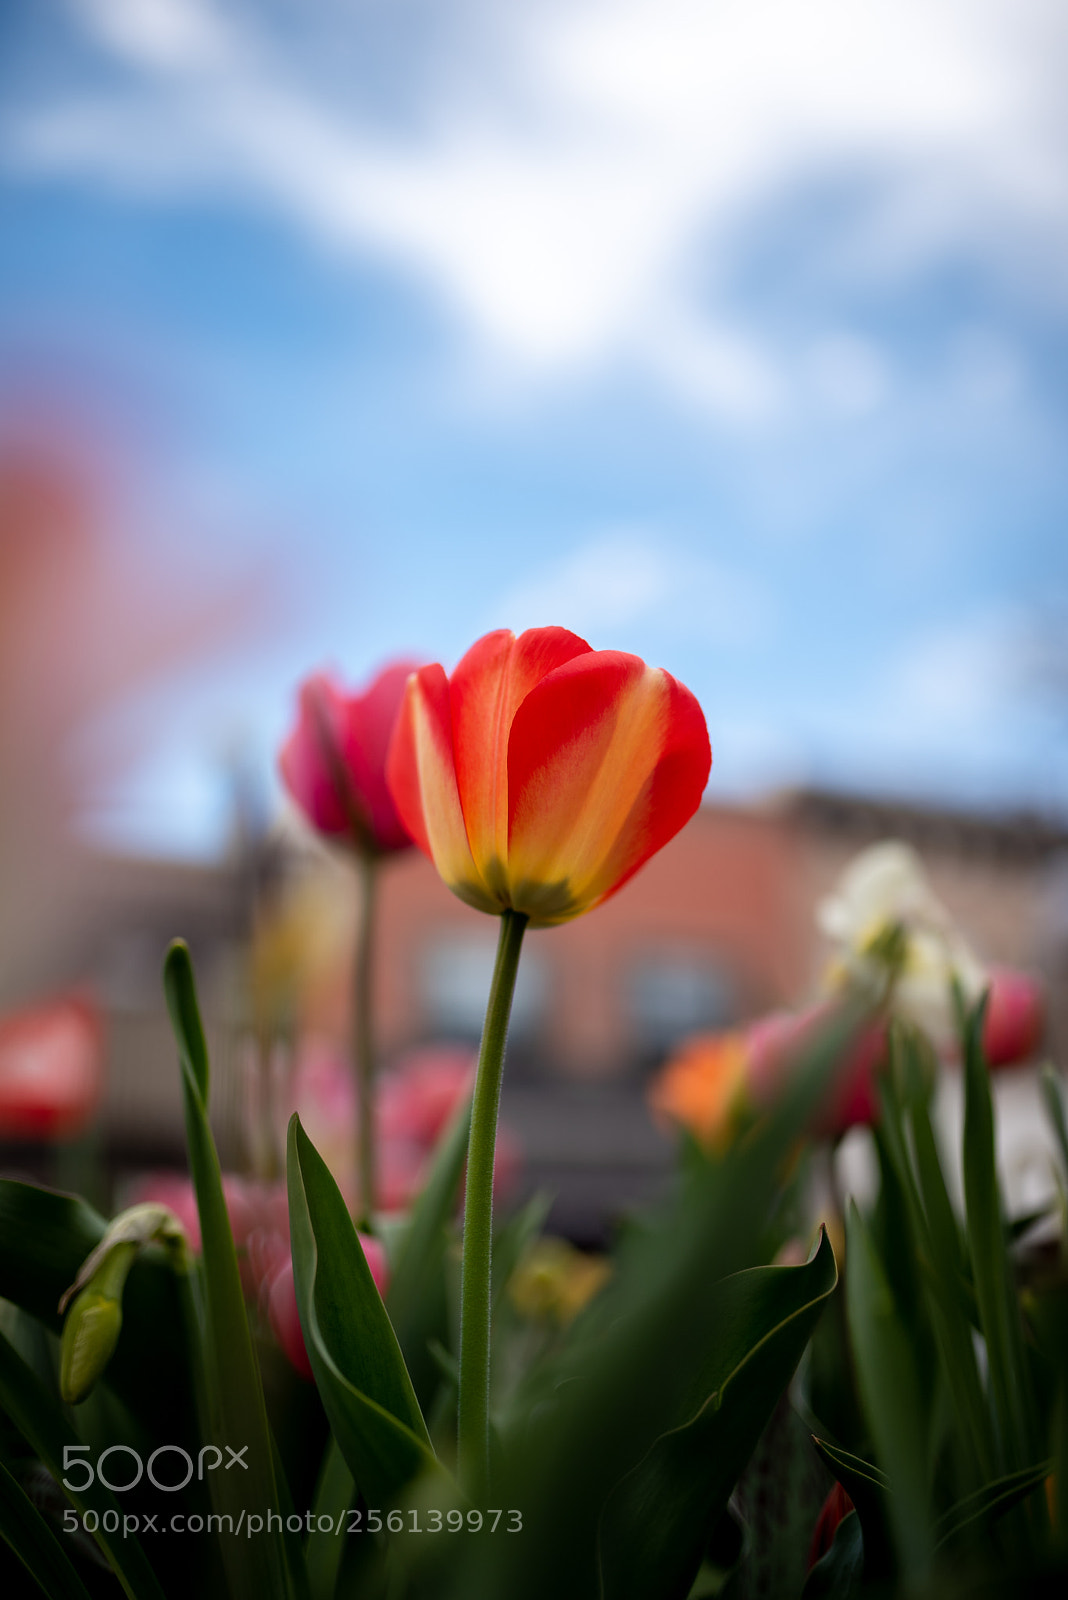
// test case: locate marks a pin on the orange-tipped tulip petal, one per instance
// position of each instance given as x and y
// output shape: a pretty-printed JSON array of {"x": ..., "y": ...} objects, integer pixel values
[{"x": 543, "y": 774}]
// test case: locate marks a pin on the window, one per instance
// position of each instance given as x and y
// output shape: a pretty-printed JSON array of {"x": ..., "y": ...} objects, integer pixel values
[
  {"x": 672, "y": 993},
  {"x": 455, "y": 985}
]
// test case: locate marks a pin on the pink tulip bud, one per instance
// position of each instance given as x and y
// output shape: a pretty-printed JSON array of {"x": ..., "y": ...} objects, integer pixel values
[
  {"x": 282, "y": 1310},
  {"x": 836, "y": 1506},
  {"x": 1015, "y": 1018},
  {"x": 333, "y": 762}
]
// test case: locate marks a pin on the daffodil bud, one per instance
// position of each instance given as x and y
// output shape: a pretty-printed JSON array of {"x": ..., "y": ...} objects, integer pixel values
[
  {"x": 94, "y": 1321},
  {"x": 92, "y": 1328}
]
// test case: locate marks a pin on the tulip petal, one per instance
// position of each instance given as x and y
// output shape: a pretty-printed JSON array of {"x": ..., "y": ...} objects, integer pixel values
[
  {"x": 486, "y": 690},
  {"x": 367, "y": 729},
  {"x": 607, "y": 760},
  {"x": 309, "y": 770},
  {"x": 421, "y": 774}
]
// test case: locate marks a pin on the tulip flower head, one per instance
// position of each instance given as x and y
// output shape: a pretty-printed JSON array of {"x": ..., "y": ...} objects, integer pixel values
[
  {"x": 1015, "y": 1018},
  {"x": 896, "y": 941},
  {"x": 543, "y": 774},
  {"x": 333, "y": 762}
]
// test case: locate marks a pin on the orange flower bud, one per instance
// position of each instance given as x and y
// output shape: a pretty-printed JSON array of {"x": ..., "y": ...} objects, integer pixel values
[{"x": 543, "y": 774}]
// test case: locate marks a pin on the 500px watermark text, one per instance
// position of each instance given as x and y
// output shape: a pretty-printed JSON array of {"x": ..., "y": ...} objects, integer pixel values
[{"x": 74, "y": 1458}]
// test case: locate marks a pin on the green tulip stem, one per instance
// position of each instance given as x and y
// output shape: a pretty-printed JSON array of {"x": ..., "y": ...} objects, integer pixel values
[
  {"x": 475, "y": 1285},
  {"x": 363, "y": 1043}
]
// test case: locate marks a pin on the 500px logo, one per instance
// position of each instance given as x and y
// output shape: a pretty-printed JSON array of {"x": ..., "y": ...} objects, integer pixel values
[{"x": 74, "y": 1458}]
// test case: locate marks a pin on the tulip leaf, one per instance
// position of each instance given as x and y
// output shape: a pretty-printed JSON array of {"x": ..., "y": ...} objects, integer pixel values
[
  {"x": 837, "y": 1575},
  {"x": 869, "y": 1491},
  {"x": 236, "y": 1411},
  {"x": 657, "y": 1520},
  {"x": 351, "y": 1344},
  {"x": 36, "y": 1546},
  {"x": 43, "y": 1424},
  {"x": 995, "y": 1291},
  {"x": 630, "y": 1368},
  {"x": 889, "y": 1392},
  {"x": 990, "y": 1502},
  {"x": 1053, "y": 1100},
  {"x": 416, "y": 1296}
]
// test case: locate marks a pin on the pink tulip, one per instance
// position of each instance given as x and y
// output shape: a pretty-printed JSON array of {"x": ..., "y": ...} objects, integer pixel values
[
  {"x": 837, "y": 1506},
  {"x": 282, "y": 1304},
  {"x": 776, "y": 1044},
  {"x": 422, "y": 1092},
  {"x": 51, "y": 1069},
  {"x": 1015, "y": 1018},
  {"x": 333, "y": 762}
]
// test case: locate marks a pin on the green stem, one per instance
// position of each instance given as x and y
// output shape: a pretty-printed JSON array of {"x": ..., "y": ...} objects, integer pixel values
[
  {"x": 473, "y": 1411},
  {"x": 363, "y": 1049}
]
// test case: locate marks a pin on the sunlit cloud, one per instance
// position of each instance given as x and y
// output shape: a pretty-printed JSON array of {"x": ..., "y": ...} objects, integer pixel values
[
  {"x": 594, "y": 209},
  {"x": 626, "y": 578}
]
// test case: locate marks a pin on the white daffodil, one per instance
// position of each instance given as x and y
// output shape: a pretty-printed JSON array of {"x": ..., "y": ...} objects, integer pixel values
[{"x": 894, "y": 938}]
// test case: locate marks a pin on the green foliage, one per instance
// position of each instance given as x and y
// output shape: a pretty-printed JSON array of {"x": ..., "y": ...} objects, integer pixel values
[{"x": 350, "y": 1341}]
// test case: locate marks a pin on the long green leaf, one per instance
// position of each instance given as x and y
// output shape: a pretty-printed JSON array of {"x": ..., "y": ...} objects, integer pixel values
[
  {"x": 351, "y": 1344},
  {"x": 257, "y": 1567},
  {"x": 990, "y": 1502},
  {"x": 630, "y": 1367},
  {"x": 869, "y": 1490},
  {"x": 43, "y": 1424},
  {"x": 890, "y": 1394},
  {"x": 657, "y": 1521},
  {"x": 416, "y": 1296},
  {"x": 995, "y": 1292},
  {"x": 34, "y": 1543},
  {"x": 837, "y": 1575}
]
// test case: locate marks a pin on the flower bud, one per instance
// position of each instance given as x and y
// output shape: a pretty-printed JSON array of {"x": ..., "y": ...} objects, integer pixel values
[{"x": 93, "y": 1323}]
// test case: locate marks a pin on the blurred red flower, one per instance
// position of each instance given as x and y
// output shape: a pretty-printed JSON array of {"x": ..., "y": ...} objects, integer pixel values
[
  {"x": 51, "y": 1069},
  {"x": 333, "y": 762},
  {"x": 1015, "y": 1018},
  {"x": 715, "y": 1081}
]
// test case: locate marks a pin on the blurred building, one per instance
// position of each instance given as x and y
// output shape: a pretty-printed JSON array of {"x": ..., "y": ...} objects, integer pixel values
[{"x": 717, "y": 928}]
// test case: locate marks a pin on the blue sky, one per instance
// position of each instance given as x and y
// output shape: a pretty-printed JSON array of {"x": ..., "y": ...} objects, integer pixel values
[{"x": 731, "y": 335}]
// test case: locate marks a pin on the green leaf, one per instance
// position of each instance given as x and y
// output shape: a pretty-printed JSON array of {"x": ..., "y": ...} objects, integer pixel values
[
  {"x": 657, "y": 1521},
  {"x": 837, "y": 1575},
  {"x": 995, "y": 1291},
  {"x": 237, "y": 1413},
  {"x": 869, "y": 1491},
  {"x": 416, "y": 1296},
  {"x": 43, "y": 1424},
  {"x": 890, "y": 1394},
  {"x": 990, "y": 1502},
  {"x": 351, "y": 1344},
  {"x": 34, "y": 1543},
  {"x": 1053, "y": 1099},
  {"x": 630, "y": 1368},
  {"x": 334, "y": 1494}
]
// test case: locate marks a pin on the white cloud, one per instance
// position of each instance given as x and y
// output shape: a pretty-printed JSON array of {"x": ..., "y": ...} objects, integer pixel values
[
  {"x": 564, "y": 199},
  {"x": 629, "y": 577}
]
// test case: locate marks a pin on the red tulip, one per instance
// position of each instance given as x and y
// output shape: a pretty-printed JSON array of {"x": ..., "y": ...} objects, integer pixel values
[
  {"x": 1015, "y": 1018},
  {"x": 776, "y": 1044},
  {"x": 543, "y": 774},
  {"x": 51, "y": 1069},
  {"x": 835, "y": 1508},
  {"x": 282, "y": 1304},
  {"x": 333, "y": 762},
  {"x": 716, "y": 1081}
]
